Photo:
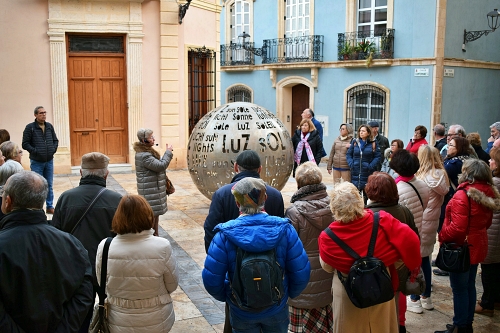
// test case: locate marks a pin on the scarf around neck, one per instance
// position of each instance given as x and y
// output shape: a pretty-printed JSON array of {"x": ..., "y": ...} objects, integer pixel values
[{"x": 300, "y": 147}]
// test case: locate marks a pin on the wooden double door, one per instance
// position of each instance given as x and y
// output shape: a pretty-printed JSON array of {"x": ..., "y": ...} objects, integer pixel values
[
  {"x": 300, "y": 102},
  {"x": 98, "y": 107}
]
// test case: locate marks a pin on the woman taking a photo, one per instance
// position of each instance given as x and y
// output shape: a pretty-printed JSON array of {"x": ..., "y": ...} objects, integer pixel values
[
  {"x": 394, "y": 241},
  {"x": 307, "y": 144},
  {"x": 396, "y": 145},
  {"x": 468, "y": 214},
  {"x": 141, "y": 274},
  {"x": 310, "y": 214},
  {"x": 363, "y": 157},
  {"x": 337, "y": 163},
  {"x": 150, "y": 171}
]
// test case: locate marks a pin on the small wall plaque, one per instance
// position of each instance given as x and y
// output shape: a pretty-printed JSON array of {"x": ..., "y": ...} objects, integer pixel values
[{"x": 421, "y": 72}]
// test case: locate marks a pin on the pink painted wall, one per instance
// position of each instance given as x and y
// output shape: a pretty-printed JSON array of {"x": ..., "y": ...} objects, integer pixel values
[
  {"x": 24, "y": 65},
  {"x": 151, "y": 67}
]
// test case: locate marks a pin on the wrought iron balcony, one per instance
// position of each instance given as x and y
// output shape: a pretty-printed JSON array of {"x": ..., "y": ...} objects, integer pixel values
[
  {"x": 359, "y": 45},
  {"x": 293, "y": 49},
  {"x": 236, "y": 54}
]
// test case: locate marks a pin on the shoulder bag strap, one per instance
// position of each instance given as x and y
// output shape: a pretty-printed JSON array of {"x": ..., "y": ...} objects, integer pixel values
[
  {"x": 88, "y": 208},
  {"x": 419, "y": 197},
  {"x": 341, "y": 243},
  {"x": 373, "y": 238},
  {"x": 104, "y": 270}
]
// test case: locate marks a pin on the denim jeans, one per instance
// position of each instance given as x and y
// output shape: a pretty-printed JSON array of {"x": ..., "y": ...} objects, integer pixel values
[
  {"x": 274, "y": 324},
  {"x": 46, "y": 170},
  {"x": 426, "y": 268},
  {"x": 463, "y": 286}
]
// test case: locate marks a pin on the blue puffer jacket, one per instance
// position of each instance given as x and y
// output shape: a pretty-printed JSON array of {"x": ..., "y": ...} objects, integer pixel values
[
  {"x": 363, "y": 159},
  {"x": 255, "y": 233}
]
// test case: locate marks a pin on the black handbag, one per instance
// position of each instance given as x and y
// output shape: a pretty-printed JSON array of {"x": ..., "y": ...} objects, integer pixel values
[
  {"x": 99, "y": 322},
  {"x": 452, "y": 257}
]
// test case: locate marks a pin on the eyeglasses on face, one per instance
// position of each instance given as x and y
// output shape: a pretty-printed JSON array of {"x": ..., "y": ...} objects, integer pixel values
[{"x": 450, "y": 145}]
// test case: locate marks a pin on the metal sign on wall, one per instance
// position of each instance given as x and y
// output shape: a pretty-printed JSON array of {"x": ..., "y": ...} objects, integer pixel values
[{"x": 421, "y": 72}]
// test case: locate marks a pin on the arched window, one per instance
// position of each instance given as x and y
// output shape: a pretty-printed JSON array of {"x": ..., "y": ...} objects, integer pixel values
[
  {"x": 366, "y": 103},
  {"x": 239, "y": 94}
]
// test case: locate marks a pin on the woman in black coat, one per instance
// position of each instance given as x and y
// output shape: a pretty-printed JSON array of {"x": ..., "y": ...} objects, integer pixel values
[{"x": 307, "y": 144}]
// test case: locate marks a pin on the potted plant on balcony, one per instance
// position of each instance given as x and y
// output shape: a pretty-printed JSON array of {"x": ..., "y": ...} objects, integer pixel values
[
  {"x": 364, "y": 48},
  {"x": 346, "y": 51}
]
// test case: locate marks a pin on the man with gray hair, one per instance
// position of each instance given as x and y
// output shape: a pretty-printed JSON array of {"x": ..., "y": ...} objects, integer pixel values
[
  {"x": 439, "y": 135},
  {"x": 456, "y": 130},
  {"x": 6, "y": 170},
  {"x": 86, "y": 211},
  {"x": 495, "y": 135},
  {"x": 45, "y": 274}
]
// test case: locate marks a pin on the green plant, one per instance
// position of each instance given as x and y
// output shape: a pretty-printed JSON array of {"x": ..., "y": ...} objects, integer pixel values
[
  {"x": 347, "y": 49},
  {"x": 365, "y": 46}
]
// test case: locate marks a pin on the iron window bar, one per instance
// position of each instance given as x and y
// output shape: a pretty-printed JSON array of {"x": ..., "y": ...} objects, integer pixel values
[{"x": 358, "y": 45}]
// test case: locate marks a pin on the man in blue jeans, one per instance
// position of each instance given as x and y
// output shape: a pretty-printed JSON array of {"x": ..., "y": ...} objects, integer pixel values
[{"x": 40, "y": 140}]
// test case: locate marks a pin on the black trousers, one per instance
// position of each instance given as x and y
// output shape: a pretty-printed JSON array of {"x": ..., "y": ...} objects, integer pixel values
[{"x": 490, "y": 274}]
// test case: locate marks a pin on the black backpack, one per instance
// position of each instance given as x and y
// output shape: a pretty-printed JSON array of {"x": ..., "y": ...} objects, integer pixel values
[
  {"x": 258, "y": 280},
  {"x": 368, "y": 282}
]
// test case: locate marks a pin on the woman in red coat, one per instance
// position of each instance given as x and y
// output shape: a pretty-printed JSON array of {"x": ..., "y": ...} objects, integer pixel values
[
  {"x": 468, "y": 214},
  {"x": 353, "y": 225},
  {"x": 418, "y": 139}
]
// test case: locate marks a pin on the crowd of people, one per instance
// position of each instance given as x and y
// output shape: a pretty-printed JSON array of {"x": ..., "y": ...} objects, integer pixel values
[{"x": 277, "y": 270}]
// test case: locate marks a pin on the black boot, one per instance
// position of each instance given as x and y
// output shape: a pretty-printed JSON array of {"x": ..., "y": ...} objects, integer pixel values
[
  {"x": 453, "y": 329},
  {"x": 469, "y": 328},
  {"x": 402, "y": 329}
]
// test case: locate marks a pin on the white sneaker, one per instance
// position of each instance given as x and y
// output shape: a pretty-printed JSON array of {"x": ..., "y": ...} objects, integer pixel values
[
  {"x": 415, "y": 307},
  {"x": 427, "y": 303}
]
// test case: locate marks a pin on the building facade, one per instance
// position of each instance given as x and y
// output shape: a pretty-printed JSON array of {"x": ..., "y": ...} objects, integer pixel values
[
  {"x": 105, "y": 68},
  {"x": 352, "y": 61}
]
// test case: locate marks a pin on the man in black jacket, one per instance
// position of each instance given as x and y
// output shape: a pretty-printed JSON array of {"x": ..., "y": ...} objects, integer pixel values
[
  {"x": 223, "y": 207},
  {"x": 382, "y": 141},
  {"x": 89, "y": 225},
  {"x": 45, "y": 274},
  {"x": 40, "y": 140}
]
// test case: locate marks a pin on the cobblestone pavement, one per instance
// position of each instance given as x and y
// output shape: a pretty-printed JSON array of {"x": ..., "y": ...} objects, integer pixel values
[{"x": 195, "y": 310}]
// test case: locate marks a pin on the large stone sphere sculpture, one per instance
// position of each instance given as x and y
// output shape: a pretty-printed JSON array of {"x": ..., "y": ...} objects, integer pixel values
[{"x": 226, "y": 131}]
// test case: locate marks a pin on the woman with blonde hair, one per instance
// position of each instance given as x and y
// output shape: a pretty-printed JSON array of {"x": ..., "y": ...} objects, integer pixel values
[
  {"x": 150, "y": 171},
  {"x": 353, "y": 225},
  {"x": 307, "y": 144},
  {"x": 141, "y": 274},
  {"x": 310, "y": 214},
  {"x": 11, "y": 151},
  {"x": 432, "y": 173},
  {"x": 337, "y": 162}
]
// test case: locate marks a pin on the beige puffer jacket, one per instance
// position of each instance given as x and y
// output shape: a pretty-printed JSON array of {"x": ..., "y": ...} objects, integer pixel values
[
  {"x": 409, "y": 198},
  {"x": 493, "y": 232},
  {"x": 310, "y": 214},
  {"x": 337, "y": 157},
  {"x": 438, "y": 188},
  {"x": 142, "y": 273},
  {"x": 151, "y": 176}
]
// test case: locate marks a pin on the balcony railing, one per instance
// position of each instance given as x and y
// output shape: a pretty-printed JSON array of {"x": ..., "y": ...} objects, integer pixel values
[
  {"x": 236, "y": 55},
  {"x": 293, "y": 49},
  {"x": 359, "y": 45}
]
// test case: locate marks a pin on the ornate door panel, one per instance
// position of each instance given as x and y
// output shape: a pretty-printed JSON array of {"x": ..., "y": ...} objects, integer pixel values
[{"x": 97, "y": 107}]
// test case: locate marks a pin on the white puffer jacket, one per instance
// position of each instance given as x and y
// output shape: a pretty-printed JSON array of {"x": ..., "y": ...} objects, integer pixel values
[
  {"x": 409, "y": 198},
  {"x": 142, "y": 273},
  {"x": 438, "y": 188}
]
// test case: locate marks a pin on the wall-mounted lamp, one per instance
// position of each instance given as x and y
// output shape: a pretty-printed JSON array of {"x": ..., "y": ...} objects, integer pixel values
[
  {"x": 256, "y": 51},
  {"x": 470, "y": 36},
  {"x": 183, "y": 9}
]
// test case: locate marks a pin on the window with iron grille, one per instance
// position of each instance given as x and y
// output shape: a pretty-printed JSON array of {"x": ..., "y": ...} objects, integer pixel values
[
  {"x": 239, "y": 94},
  {"x": 201, "y": 83},
  {"x": 366, "y": 103}
]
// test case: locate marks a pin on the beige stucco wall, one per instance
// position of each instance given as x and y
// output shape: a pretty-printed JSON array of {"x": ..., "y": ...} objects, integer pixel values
[
  {"x": 24, "y": 65},
  {"x": 151, "y": 67}
]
